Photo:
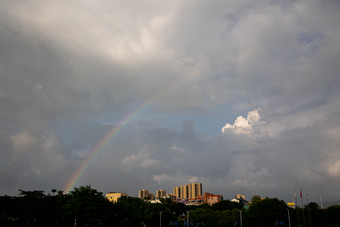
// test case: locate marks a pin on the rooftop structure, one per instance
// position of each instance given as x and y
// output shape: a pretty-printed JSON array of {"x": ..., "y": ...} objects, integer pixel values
[{"x": 114, "y": 196}]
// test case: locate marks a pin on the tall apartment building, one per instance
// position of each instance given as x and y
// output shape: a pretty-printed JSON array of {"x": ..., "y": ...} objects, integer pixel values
[
  {"x": 185, "y": 191},
  {"x": 160, "y": 194},
  {"x": 188, "y": 191},
  {"x": 176, "y": 192},
  {"x": 195, "y": 189},
  {"x": 143, "y": 194}
]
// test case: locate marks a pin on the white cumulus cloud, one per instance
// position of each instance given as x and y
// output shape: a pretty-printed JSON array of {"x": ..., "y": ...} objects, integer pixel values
[{"x": 243, "y": 126}]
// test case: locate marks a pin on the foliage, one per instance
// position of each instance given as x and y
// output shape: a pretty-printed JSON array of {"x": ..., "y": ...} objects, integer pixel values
[
  {"x": 202, "y": 215},
  {"x": 155, "y": 212},
  {"x": 86, "y": 206},
  {"x": 90, "y": 208},
  {"x": 267, "y": 212},
  {"x": 129, "y": 211},
  {"x": 176, "y": 208},
  {"x": 255, "y": 199},
  {"x": 226, "y": 205},
  {"x": 331, "y": 215}
]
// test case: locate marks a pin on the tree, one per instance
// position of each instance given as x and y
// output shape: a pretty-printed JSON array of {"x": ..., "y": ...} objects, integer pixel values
[
  {"x": 156, "y": 212},
  {"x": 226, "y": 205},
  {"x": 32, "y": 207},
  {"x": 8, "y": 210},
  {"x": 313, "y": 214},
  {"x": 331, "y": 215},
  {"x": 129, "y": 211},
  {"x": 267, "y": 212},
  {"x": 176, "y": 208},
  {"x": 225, "y": 218},
  {"x": 206, "y": 216},
  {"x": 87, "y": 206},
  {"x": 255, "y": 199}
]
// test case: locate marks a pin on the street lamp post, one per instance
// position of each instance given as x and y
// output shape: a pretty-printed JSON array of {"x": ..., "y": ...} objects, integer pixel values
[
  {"x": 188, "y": 218},
  {"x": 241, "y": 218},
  {"x": 288, "y": 217},
  {"x": 160, "y": 219}
]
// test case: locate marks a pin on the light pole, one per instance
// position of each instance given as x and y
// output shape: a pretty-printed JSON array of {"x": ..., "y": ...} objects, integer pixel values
[
  {"x": 188, "y": 218},
  {"x": 160, "y": 219},
  {"x": 241, "y": 218},
  {"x": 288, "y": 217}
]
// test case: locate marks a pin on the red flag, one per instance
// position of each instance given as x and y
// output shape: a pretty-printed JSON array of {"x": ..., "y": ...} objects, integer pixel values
[{"x": 300, "y": 193}]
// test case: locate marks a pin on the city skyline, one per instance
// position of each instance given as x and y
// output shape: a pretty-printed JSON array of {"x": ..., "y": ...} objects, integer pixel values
[{"x": 241, "y": 96}]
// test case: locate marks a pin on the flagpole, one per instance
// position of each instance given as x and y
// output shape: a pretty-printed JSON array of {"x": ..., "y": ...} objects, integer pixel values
[
  {"x": 310, "y": 219},
  {"x": 303, "y": 209}
]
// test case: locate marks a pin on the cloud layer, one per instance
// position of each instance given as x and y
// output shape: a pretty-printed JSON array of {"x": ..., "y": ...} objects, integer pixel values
[{"x": 242, "y": 96}]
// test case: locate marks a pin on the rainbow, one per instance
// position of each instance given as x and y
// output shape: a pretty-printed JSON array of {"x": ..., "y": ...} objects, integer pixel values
[
  {"x": 115, "y": 130},
  {"x": 100, "y": 145}
]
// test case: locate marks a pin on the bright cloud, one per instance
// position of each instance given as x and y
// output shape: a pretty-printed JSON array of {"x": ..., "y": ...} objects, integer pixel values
[
  {"x": 243, "y": 126},
  {"x": 22, "y": 141},
  {"x": 178, "y": 149},
  {"x": 334, "y": 169}
]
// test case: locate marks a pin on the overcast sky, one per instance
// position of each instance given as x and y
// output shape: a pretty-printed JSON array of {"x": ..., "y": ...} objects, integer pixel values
[{"x": 242, "y": 96}]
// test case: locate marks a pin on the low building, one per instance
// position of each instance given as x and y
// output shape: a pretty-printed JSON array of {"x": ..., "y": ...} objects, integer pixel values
[
  {"x": 114, "y": 196},
  {"x": 208, "y": 198},
  {"x": 240, "y": 199},
  {"x": 212, "y": 199}
]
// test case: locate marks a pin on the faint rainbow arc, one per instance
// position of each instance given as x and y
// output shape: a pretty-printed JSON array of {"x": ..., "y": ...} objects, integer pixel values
[
  {"x": 114, "y": 131},
  {"x": 101, "y": 144}
]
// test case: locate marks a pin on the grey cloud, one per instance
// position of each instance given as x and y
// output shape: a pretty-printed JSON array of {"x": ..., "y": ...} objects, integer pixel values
[{"x": 68, "y": 68}]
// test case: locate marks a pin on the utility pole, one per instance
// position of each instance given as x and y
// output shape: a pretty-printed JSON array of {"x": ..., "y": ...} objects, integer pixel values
[
  {"x": 241, "y": 218},
  {"x": 188, "y": 218},
  {"x": 160, "y": 219},
  {"x": 288, "y": 217}
]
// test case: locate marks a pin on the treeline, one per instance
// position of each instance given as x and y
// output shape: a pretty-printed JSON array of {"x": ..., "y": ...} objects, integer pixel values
[{"x": 85, "y": 206}]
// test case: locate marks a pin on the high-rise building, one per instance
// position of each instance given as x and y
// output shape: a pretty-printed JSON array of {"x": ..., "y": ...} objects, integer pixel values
[
  {"x": 195, "y": 189},
  {"x": 160, "y": 194},
  {"x": 188, "y": 191},
  {"x": 143, "y": 194},
  {"x": 184, "y": 192},
  {"x": 177, "y": 192}
]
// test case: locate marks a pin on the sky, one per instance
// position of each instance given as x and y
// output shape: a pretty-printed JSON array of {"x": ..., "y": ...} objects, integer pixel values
[{"x": 242, "y": 96}]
